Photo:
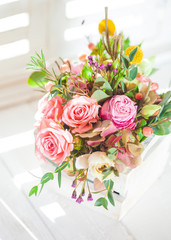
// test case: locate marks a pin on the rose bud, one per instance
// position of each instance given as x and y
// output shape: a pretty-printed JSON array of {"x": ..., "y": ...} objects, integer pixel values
[
  {"x": 147, "y": 131},
  {"x": 48, "y": 86},
  {"x": 64, "y": 68},
  {"x": 66, "y": 60},
  {"x": 91, "y": 46},
  {"x": 149, "y": 110},
  {"x": 83, "y": 57},
  {"x": 139, "y": 96}
]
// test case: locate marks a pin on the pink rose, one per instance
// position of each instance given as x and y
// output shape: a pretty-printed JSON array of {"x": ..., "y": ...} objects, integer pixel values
[
  {"x": 51, "y": 109},
  {"x": 79, "y": 113},
  {"x": 53, "y": 142},
  {"x": 121, "y": 110}
]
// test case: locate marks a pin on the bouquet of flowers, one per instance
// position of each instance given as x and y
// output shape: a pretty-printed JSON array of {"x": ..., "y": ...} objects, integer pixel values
[{"x": 96, "y": 113}]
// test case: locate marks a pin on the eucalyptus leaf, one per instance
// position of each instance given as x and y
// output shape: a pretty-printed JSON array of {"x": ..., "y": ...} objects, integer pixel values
[
  {"x": 110, "y": 197},
  {"x": 132, "y": 54},
  {"x": 47, "y": 177},
  {"x": 132, "y": 73},
  {"x": 101, "y": 202},
  {"x": 33, "y": 191},
  {"x": 125, "y": 61},
  {"x": 99, "y": 95}
]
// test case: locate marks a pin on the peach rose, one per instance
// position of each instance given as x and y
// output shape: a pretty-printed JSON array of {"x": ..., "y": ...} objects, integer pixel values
[
  {"x": 79, "y": 113},
  {"x": 53, "y": 142},
  {"x": 51, "y": 109}
]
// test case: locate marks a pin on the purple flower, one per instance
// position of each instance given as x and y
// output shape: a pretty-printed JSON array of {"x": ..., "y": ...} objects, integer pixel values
[
  {"x": 108, "y": 66},
  {"x": 90, "y": 57},
  {"x": 101, "y": 66},
  {"x": 96, "y": 64},
  {"x": 79, "y": 200},
  {"x": 74, "y": 184},
  {"x": 115, "y": 70},
  {"x": 90, "y": 62},
  {"x": 89, "y": 197},
  {"x": 74, "y": 195}
]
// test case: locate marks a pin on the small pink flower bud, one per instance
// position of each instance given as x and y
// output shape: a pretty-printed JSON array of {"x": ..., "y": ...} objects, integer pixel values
[
  {"x": 83, "y": 57},
  {"x": 64, "y": 68},
  {"x": 48, "y": 86},
  {"x": 91, "y": 46}
]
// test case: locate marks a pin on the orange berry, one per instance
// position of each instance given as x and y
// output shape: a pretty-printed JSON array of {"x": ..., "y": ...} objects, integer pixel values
[
  {"x": 147, "y": 131},
  {"x": 139, "y": 96}
]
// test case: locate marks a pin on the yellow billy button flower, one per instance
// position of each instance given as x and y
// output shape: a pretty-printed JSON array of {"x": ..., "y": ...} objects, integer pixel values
[
  {"x": 111, "y": 27},
  {"x": 138, "y": 56}
]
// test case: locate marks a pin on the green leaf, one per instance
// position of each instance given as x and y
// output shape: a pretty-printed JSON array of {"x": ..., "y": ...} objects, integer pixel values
[
  {"x": 33, "y": 191},
  {"x": 99, "y": 95},
  {"x": 37, "y": 79},
  {"x": 101, "y": 202},
  {"x": 53, "y": 94},
  {"x": 112, "y": 150},
  {"x": 125, "y": 61},
  {"x": 132, "y": 73},
  {"x": 47, "y": 177},
  {"x": 126, "y": 43},
  {"x": 166, "y": 108},
  {"x": 103, "y": 84},
  {"x": 162, "y": 128},
  {"x": 123, "y": 86},
  {"x": 110, "y": 197},
  {"x": 166, "y": 97},
  {"x": 132, "y": 54},
  {"x": 142, "y": 123},
  {"x": 109, "y": 184},
  {"x": 59, "y": 178},
  {"x": 116, "y": 172},
  {"x": 53, "y": 163},
  {"x": 43, "y": 57},
  {"x": 100, "y": 47},
  {"x": 154, "y": 70},
  {"x": 87, "y": 73}
]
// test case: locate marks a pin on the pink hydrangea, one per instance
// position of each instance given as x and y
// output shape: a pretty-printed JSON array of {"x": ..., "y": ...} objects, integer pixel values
[
  {"x": 121, "y": 110},
  {"x": 80, "y": 112},
  {"x": 53, "y": 142}
]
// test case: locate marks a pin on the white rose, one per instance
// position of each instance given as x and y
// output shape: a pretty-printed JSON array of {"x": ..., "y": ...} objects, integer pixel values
[{"x": 98, "y": 161}]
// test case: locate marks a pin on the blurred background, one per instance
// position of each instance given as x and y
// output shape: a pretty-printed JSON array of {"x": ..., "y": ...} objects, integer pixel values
[{"x": 56, "y": 27}]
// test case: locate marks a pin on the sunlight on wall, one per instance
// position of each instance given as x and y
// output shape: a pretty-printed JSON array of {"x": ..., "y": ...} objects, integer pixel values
[
  {"x": 3, "y": 2},
  {"x": 14, "y": 22},
  {"x": 14, "y": 49}
]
